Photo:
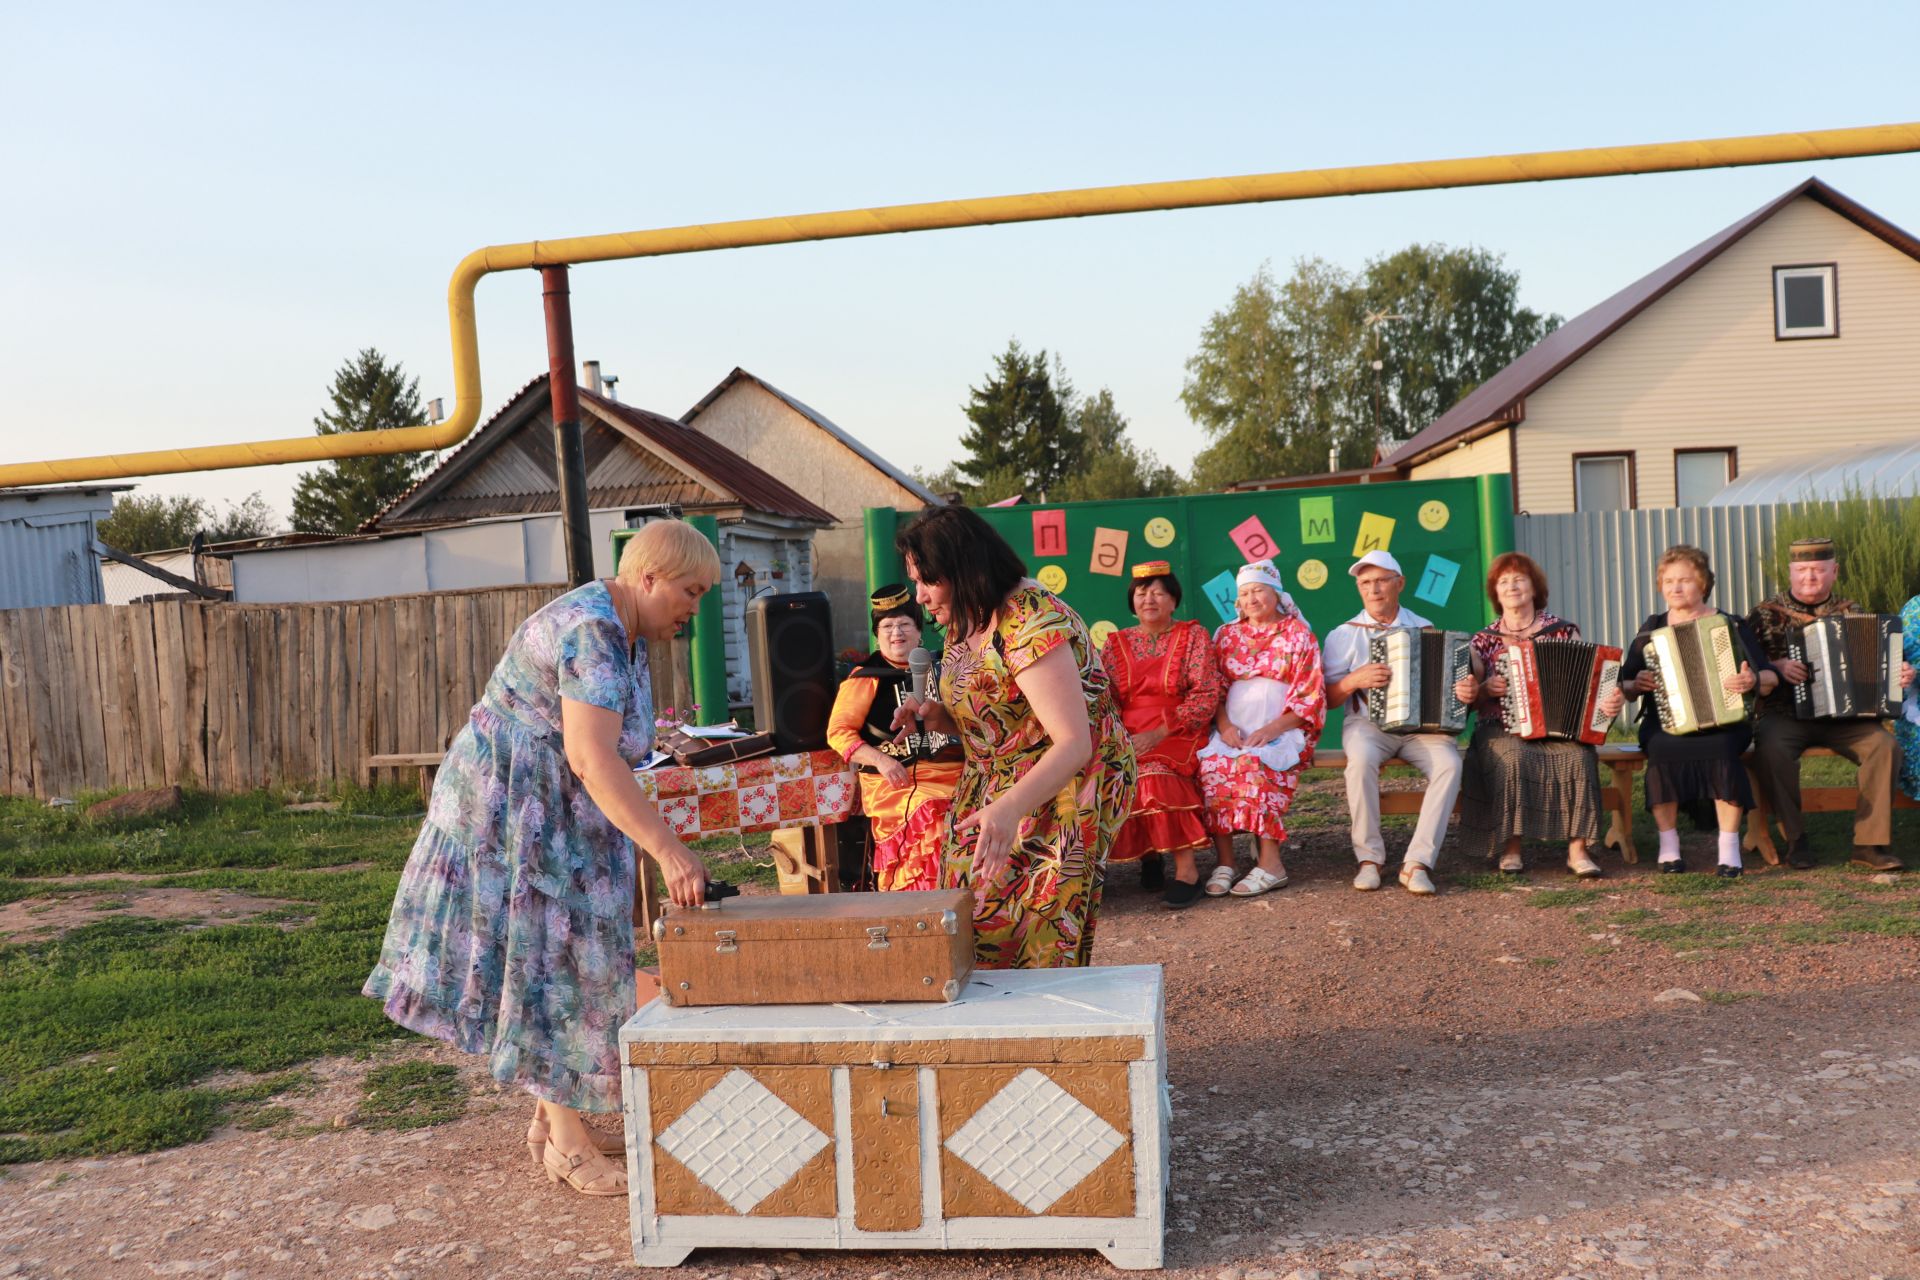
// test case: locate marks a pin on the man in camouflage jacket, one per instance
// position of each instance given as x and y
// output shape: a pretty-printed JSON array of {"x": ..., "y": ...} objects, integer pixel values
[{"x": 1779, "y": 738}]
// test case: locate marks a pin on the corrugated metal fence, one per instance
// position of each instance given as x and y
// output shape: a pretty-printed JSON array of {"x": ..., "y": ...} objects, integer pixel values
[{"x": 1600, "y": 563}]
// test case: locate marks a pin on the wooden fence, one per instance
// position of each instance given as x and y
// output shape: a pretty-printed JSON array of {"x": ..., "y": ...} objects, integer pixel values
[{"x": 234, "y": 696}]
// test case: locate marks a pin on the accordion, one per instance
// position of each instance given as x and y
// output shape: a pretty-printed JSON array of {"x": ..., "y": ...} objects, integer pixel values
[
  {"x": 1853, "y": 667},
  {"x": 1425, "y": 664},
  {"x": 1554, "y": 688},
  {"x": 1691, "y": 663}
]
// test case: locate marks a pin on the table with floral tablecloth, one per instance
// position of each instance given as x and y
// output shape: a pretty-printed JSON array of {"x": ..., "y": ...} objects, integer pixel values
[{"x": 769, "y": 793}]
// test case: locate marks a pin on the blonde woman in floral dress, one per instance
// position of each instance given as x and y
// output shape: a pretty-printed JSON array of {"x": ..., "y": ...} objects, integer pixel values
[
  {"x": 1049, "y": 769},
  {"x": 511, "y": 934},
  {"x": 1264, "y": 732}
]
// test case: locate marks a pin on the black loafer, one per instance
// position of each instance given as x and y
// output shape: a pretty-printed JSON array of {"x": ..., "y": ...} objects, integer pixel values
[
  {"x": 1726, "y": 872},
  {"x": 1181, "y": 893},
  {"x": 1800, "y": 854},
  {"x": 1674, "y": 868},
  {"x": 1153, "y": 873}
]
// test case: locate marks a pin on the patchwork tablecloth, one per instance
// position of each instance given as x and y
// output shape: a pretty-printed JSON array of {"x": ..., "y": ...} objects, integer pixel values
[{"x": 805, "y": 789}]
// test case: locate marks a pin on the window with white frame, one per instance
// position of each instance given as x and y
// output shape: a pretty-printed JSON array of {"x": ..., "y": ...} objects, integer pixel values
[
  {"x": 1804, "y": 302},
  {"x": 1698, "y": 474},
  {"x": 1603, "y": 482}
]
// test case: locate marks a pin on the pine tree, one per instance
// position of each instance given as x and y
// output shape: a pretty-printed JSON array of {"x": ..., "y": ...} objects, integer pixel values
[
  {"x": 368, "y": 394},
  {"x": 1021, "y": 424}
]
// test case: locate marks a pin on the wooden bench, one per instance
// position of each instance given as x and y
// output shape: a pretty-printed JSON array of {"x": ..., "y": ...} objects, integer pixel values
[
  {"x": 1616, "y": 800},
  {"x": 1619, "y": 761},
  {"x": 427, "y": 762}
]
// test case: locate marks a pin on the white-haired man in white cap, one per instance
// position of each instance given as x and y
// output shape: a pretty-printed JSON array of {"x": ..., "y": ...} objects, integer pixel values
[{"x": 1350, "y": 672}]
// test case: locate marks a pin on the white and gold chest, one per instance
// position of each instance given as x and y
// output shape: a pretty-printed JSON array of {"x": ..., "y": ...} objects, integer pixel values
[{"x": 1029, "y": 1113}]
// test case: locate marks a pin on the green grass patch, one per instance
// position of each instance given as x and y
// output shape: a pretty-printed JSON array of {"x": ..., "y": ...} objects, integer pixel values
[
  {"x": 1727, "y": 997},
  {"x": 1692, "y": 884},
  {"x": 256, "y": 1119},
  {"x": 1544, "y": 962},
  {"x": 1562, "y": 897},
  {"x": 1700, "y": 935},
  {"x": 1633, "y": 915},
  {"x": 412, "y": 1095},
  {"x": 1488, "y": 882}
]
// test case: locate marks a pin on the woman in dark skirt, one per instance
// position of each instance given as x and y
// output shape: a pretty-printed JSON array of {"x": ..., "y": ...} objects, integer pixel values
[
  {"x": 1698, "y": 768},
  {"x": 1515, "y": 789}
]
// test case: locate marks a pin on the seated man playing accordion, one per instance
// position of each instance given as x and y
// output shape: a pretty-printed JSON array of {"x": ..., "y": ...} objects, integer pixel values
[{"x": 1780, "y": 736}]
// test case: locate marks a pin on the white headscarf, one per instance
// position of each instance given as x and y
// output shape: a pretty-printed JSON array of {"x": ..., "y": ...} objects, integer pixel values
[{"x": 1263, "y": 573}]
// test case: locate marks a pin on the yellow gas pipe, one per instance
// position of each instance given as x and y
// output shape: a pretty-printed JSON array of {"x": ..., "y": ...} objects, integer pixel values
[{"x": 1592, "y": 162}]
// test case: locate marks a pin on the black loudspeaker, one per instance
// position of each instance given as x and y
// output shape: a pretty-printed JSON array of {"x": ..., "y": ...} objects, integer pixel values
[{"x": 790, "y": 653}]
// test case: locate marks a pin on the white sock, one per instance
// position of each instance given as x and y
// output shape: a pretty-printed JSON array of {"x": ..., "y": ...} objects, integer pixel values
[
  {"x": 1729, "y": 848},
  {"x": 1670, "y": 845}
]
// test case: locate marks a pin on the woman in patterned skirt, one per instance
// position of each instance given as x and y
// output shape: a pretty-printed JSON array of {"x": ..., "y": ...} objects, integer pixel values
[
  {"x": 512, "y": 930},
  {"x": 1049, "y": 771},
  {"x": 1265, "y": 730},
  {"x": 905, "y": 790},
  {"x": 1518, "y": 789},
  {"x": 1168, "y": 687}
]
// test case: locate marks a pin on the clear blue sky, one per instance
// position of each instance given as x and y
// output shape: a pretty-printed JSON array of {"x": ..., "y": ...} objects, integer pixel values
[{"x": 208, "y": 207}]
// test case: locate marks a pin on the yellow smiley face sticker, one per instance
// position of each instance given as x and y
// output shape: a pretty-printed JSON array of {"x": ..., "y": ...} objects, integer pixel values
[
  {"x": 1434, "y": 516},
  {"x": 1312, "y": 575},
  {"x": 1100, "y": 631},
  {"x": 1053, "y": 578},
  {"x": 1159, "y": 531}
]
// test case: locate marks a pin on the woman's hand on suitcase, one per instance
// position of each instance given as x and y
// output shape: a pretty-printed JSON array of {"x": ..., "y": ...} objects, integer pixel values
[
  {"x": 685, "y": 874},
  {"x": 993, "y": 845}
]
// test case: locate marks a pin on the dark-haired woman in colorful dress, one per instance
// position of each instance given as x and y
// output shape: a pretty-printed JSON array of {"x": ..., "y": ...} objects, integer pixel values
[{"x": 1049, "y": 769}]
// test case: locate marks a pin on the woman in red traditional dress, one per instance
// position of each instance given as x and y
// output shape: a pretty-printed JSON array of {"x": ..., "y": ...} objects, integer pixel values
[
  {"x": 906, "y": 787},
  {"x": 1168, "y": 687}
]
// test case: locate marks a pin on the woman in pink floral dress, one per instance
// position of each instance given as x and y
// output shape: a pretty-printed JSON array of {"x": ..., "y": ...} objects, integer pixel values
[{"x": 1264, "y": 732}]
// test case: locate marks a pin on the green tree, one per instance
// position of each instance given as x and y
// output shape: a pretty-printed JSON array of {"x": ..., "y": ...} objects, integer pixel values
[
  {"x": 1112, "y": 465},
  {"x": 1019, "y": 423},
  {"x": 1284, "y": 374},
  {"x": 368, "y": 394},
  {"x": 1878, "y": 541},
  {"x": 163, "y": 522}
]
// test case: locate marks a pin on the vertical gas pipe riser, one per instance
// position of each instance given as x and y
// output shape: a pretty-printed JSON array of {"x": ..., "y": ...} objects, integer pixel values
[{"x": 570, "y": 456}]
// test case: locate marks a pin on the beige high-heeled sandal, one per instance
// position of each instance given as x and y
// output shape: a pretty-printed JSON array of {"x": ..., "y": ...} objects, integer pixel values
[
  {"x": 592, "y": 1175},
  {"x": 607, "y": 1144}
]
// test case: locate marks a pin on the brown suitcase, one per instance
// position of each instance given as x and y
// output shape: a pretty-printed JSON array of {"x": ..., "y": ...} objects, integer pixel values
[{"x": 853, "y": 948}]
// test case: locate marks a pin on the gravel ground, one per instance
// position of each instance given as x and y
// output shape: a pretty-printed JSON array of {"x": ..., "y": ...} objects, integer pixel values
[{"x": 1363, "y": 1085}]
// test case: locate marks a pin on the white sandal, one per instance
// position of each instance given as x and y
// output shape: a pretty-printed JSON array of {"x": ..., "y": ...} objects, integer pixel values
[
  {"x": 1258, "y": 881},
  {"x": 1220, "y": 881}
]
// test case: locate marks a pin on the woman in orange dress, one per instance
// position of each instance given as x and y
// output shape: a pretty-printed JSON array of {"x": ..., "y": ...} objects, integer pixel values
[
  {"x": 1168, "y": 686},
  {"x": 906, "y": 787}
]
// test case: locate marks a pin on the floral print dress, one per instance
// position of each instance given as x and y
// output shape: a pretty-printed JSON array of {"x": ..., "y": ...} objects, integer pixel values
[
  {"x": 1242, "y": 791},
  {"x": 512, "y": 931},
  {"x": 1040, "y": 915}
]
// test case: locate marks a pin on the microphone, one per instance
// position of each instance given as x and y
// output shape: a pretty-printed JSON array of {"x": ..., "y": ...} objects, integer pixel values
[{"x": 920, "y": 666}]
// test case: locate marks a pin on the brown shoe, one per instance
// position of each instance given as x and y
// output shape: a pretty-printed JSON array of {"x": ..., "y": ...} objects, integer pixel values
[{"x": 1876, "y": 858}]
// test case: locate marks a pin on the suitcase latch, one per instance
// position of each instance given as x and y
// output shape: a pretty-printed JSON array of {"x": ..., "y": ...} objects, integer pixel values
[
  {"x": 728, "y": 941},
  {"x": 877, "y": 938}
]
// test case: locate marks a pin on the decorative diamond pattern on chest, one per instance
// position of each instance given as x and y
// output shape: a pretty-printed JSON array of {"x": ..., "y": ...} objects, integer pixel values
[
  {"x": 742, "y": 1141},
  {"x": 1035, "y": 1141}
]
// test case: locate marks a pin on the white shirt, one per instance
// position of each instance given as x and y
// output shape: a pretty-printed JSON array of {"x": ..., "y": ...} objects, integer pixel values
[{"x": 1345, "y": 650}]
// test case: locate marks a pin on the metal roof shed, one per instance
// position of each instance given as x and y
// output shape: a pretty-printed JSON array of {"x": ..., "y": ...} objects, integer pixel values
[
  {"x": 1872, "y": 471},
  {"x": 46, "y": 544}
]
